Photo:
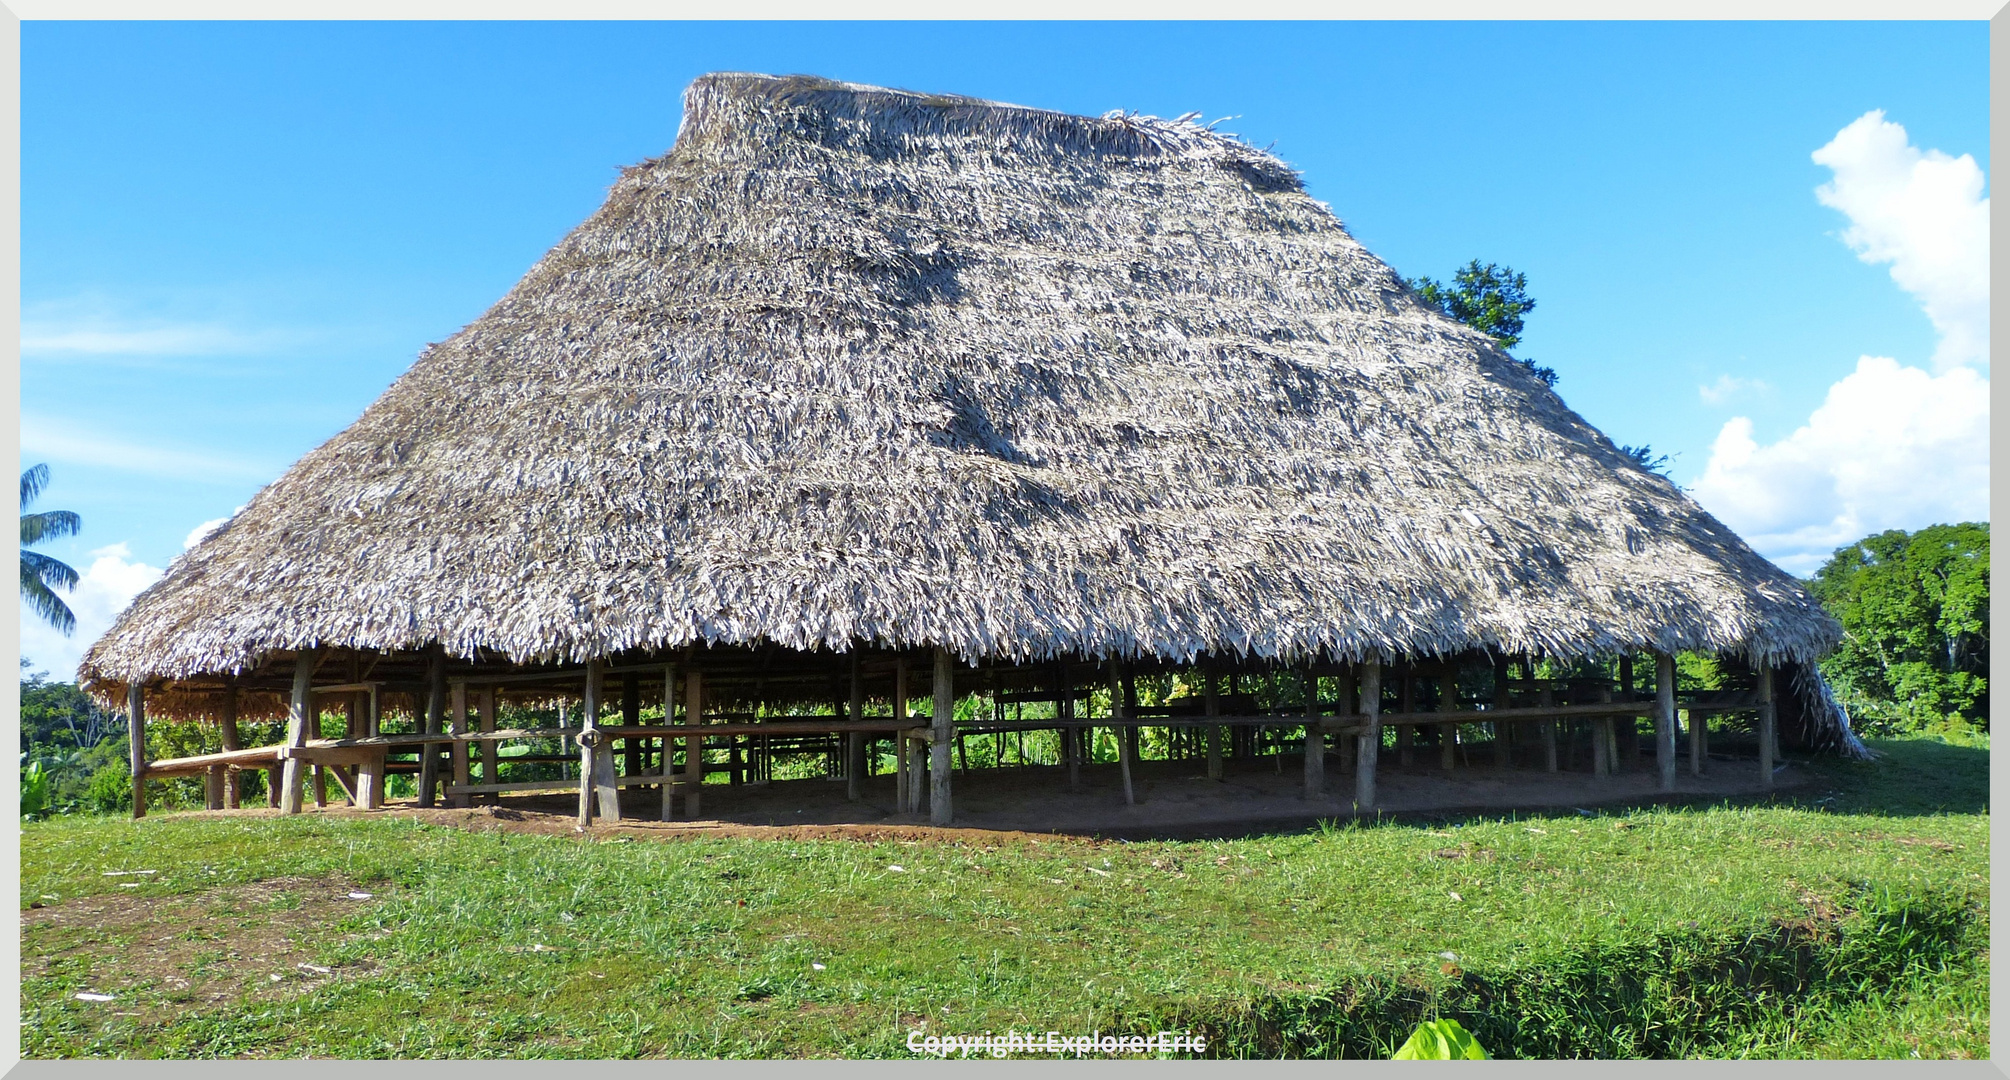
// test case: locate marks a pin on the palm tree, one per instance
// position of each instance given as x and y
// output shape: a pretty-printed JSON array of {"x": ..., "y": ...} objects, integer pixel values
[{"x": 40, "y": 574}]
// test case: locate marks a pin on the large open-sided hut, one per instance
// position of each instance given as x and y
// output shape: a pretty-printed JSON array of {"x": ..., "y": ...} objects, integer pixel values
[{"x": 858, "y": 397}]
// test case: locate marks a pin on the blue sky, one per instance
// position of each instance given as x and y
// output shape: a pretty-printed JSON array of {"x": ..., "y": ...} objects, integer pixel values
[{"x": 234, "y": 236}]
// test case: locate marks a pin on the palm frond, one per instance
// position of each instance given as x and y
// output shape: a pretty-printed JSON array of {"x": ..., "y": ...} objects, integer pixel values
[
  {"x": 36, "y": 571},
  {"x": 48, "y": 525},
  {"x": 32, "y": 483}
]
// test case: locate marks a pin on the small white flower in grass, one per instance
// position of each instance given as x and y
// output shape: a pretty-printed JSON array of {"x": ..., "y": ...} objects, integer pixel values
[
  {"x": 87, "y": 996},
  {"x": 814, "y": 966},
  {"x": 897, "y": 869},
  {"x": 1457, "y": 899}
]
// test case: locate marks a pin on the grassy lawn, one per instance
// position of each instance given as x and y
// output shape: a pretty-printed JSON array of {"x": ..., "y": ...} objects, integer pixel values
[{"x": 1849, "y": 921}]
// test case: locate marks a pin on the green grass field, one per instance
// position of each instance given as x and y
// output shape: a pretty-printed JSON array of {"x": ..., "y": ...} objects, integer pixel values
[{"x": 1848, "y": 921}]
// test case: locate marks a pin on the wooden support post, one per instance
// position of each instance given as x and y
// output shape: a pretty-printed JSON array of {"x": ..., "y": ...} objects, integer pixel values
[
  {"x": 1768, "y": 726},
  {"x": 1448, "y": 734},
  {"x": 1368, "y": 744},
  {"x": 485, "y": 710},
  {"x": 694, "y": 745},
  {"x": 1406, "y": 696},
  {"x": 370, "y": 783},
  {"x": 212, "y": 787},
  {"x": 664, "y": 769},
  {"x": 940, "y": 809},
  {"x": 1601, "y": 739},
  {"x": 457, "y": 714},
  {"x": 136, "y": 744},
  {"x": 320, "y": 785},
  {"x": 233, "y": 739},
  {"x": 854, "y": 748},
  {"x": 1664, "y": 718},
  {"x": 631, "y": 715},
  {"x": 1071, "y": 737},
  {"x": 605, "y": 788},
  {"x": 903, "y": 751},
  {"x": 1315, "y": 740},
  {"x": 1211, "y": 702},
  {"x": 1694, "y": 718},
  {"x": 1119, "y": 710},
  {"x": 301, "y": 724},
  {"x": 436, "y": 707},
  {"x": 1503, "y": 751},
  {"x": 1547, "y": 697},
  {"x": 1627, "y": 688}
]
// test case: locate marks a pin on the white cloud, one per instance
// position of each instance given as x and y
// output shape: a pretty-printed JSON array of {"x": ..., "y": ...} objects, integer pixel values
[
  {"x": 202, "y": 531},
  {"x": 99, "y": 338},
  {"x": 104, "y": 588},
  {"x": 85, "y": 444},
  {"x": 1924, "y": 213},
  {"x": 1730, "y": 386},
  {"x": 1891, "y": 446}
]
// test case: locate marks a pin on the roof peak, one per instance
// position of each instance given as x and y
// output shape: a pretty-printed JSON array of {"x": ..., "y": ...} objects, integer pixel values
[{"x": 731, "y": 107}]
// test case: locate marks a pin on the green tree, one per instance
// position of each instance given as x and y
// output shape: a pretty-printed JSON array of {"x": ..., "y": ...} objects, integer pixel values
[
  {"x": 1489, "y": 298},
  {"x": 42, "y": 575},
  {"x": 1915, "y": 615}
]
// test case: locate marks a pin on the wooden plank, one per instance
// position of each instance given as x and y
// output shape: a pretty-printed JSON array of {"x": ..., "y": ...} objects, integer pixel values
[{"x": 257, "y": 755}]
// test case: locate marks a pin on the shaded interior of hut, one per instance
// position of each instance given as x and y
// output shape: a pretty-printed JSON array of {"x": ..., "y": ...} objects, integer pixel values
[{"x": 664, "y": 736}]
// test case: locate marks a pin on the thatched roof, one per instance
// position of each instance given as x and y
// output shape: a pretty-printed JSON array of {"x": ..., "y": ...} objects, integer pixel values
[{"x": 851, "y": 364}]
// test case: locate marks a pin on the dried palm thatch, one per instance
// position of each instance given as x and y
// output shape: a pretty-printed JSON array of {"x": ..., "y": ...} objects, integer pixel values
[{"x": 860, "y": 365}]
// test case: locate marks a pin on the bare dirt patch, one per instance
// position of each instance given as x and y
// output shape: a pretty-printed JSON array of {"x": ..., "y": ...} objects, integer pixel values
[
  {"x": 1035, "y": 805},
  {"x": 160, "y": 955}
]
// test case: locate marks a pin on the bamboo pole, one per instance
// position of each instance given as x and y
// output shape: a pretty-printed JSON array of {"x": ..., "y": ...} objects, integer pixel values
[
  {"x": 631, "y": 716},
  {"x": 694, "y": 745},
  {"x": 298, "y": 720},
  {"x": 940, "y": 810},
  {"x": 1768, "y": 726},
  {"x": 1664, "y": 719},
  {"x": 854, "y": 750},
  {"x": 1315, "y": 740},
  {"x": 1368, "y": 744}
]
